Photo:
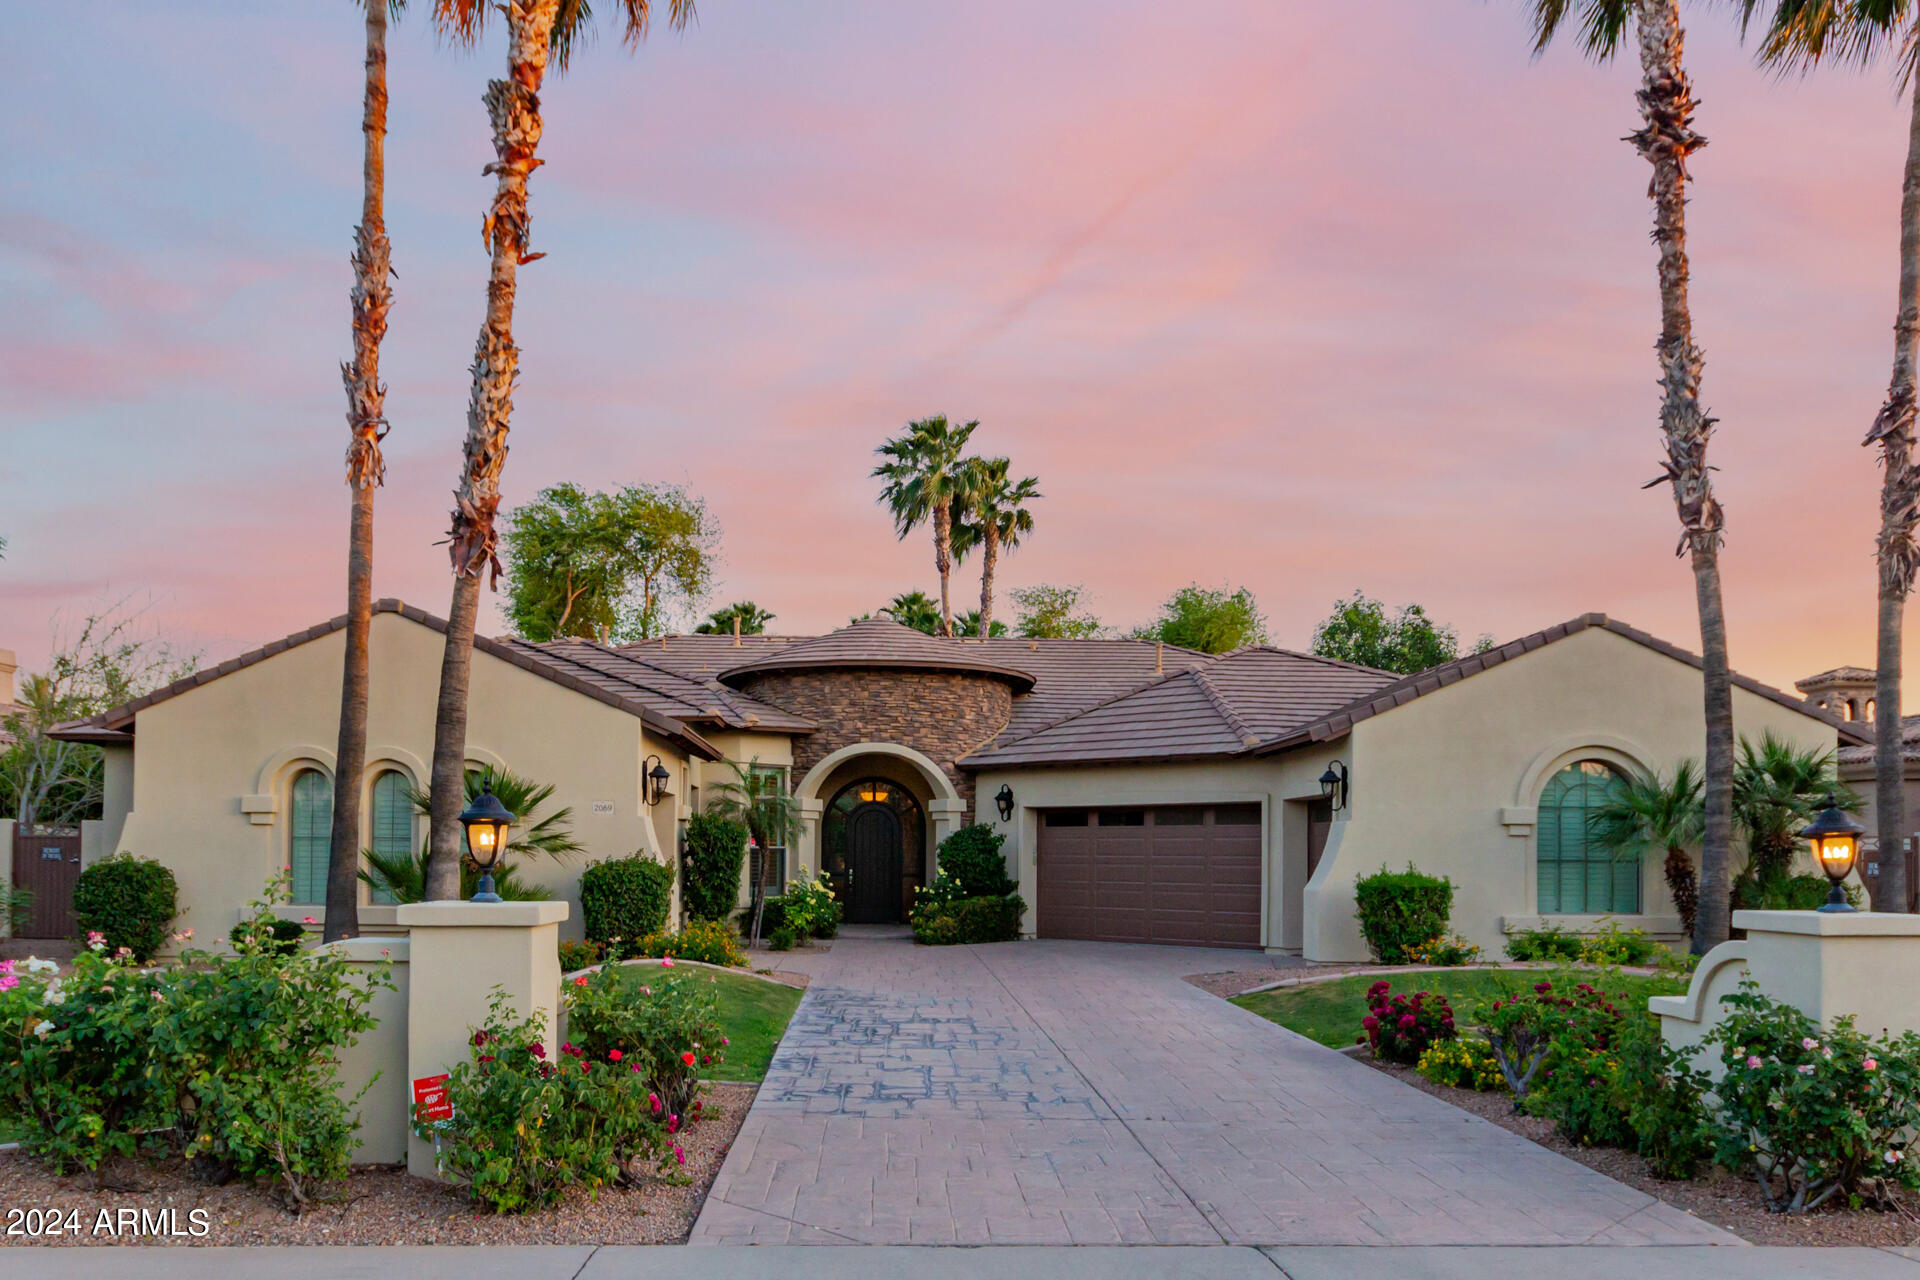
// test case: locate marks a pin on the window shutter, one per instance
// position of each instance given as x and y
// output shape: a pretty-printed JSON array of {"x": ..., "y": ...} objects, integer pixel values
[{"x": 311, "y": 835}]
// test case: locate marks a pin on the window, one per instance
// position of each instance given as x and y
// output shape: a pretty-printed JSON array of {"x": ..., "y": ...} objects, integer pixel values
[
  {"x": 773, "y": 781},
  {"x": 1576, "y": 876},
  {"x": 1122, "y": 817},
  {"x": 1191, "y": 817},
  {"x": 1066, "y": 817},
  {"x": 1237, "y": 815},
  {"x": 390, "y": 830},
  {"x": 311, "y": 834}
]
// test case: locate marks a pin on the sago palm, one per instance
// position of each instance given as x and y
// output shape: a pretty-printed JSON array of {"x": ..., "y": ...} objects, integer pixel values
[
  {"x": 757, "y": 799},
  {"x": 1665, "y": 139},
  {"x": 1799, "y": 35},
  {"x": 370, "y": 298},
  {"x": 1646, "y": 813},
  {"x": 996, "y": 518},
  {"x": 924, "y": 481},
  {"x": 536, "y": 31}
]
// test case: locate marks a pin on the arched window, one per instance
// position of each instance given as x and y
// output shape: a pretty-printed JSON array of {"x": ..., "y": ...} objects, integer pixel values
[
  {"x": 390, "y": 830},
  {"x": 1575, "y": 875},
  {"x": 1869, "y": 708},
  {"x": 310, "y": 834}
]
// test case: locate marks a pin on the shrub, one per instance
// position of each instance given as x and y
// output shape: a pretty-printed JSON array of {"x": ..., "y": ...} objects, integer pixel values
[
  {"x": 781, "y": 939},
  {"x": 1616, "y": 946},
  {"x": 716, "y": 852},
  {"x": 711, "y": 941},
  {"x": 970, "y": 920},
  {"x": 269, "y": 934},
  {"x": 1399, "y": 910},
  {"x": 1445, "y": 952},
  {"x": 1521, "y": 1030},
  {"x": 1551, "y": 943},
  {"x": 1401, "y": 1028},
  {"x": 942, "y": 891},
  {"x": 664, "y": 1029},
  {"x": 807, "y": 910},
  {"x": 130, "y": 901},
  {"x": 1663, "y": 1099},
  {"x": 528, "y": 1126},
  {"x": 972, "y": 857},
  {"x": 1461, "y": 1064},
  {"x": 1780, "y": 893},
  {"x": 583, "y": 954},
  {"x": 625, "y": 897},
  {"x": 1814, "y": 1114}
]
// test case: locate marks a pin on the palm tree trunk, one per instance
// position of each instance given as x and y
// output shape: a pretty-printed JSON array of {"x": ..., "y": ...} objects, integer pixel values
[
  {"x": 371, "y": 298},
  {"x": 1899, "y": 498},
  {"x": 513, "y": 105},
  {"x": 1665, "y": 140},
  {"x": 943, "y": 560},
  {"x": 989, "y": 552}
]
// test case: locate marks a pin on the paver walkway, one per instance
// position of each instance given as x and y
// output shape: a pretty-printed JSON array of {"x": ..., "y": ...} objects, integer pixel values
[{"x": 1082, "y": 1093}]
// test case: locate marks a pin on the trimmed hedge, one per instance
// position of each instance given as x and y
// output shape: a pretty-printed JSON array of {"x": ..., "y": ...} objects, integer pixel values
[
  {"x": 972, "y": 857},
  {"x": 625, "y": 897},
  {"x": 1401, "y": 910},
  {"x": 132, "y": 901},
  {"x": 773, "y": 918},
  {"x": 716, "y": 851},
  {"x": 970, "y": 920},
  {"x": 270, "y": 935}
]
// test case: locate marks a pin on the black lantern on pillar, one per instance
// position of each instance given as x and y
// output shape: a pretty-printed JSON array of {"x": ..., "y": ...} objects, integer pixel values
[
  {"x": 1835, "y": 839},
  {"x": 1003, "y": 800},
  {"x": 487, "y": 823},
  {"x": 656, "y": 780},
  {"x": 1333, "y": 784}
]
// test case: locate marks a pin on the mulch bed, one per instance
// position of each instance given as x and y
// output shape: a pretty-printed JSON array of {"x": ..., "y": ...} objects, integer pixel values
[
  {"x": 1716, "y": 1196},
  {"x": 382, "y": 1204}
]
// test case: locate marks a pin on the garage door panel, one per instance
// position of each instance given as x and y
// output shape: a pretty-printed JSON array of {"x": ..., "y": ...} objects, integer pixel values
[{"x": 1185, "y": 876}]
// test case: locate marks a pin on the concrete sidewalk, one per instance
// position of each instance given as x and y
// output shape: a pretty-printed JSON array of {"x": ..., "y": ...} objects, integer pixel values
[{"x": 799, "y": 1262}]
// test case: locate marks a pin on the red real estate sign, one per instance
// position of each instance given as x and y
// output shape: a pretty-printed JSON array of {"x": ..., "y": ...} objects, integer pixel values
[{"x": 430, "y": 1101}]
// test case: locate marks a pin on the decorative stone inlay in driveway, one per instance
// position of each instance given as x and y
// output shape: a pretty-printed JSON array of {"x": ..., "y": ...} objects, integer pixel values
[{"x": 1082, "y": 1093}]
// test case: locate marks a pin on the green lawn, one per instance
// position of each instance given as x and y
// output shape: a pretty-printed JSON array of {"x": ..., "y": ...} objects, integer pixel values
[
  {"x": 753, "y": 1016},
  {"x": 1330, "y": 1012}
]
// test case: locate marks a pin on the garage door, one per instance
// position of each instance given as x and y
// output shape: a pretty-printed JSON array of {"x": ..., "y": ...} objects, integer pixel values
[{"x": 1186, "y": 875}]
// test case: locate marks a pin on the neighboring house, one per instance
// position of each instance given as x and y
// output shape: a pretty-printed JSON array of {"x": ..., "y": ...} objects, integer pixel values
[
  {"x": 1150, "y": 793},
  {"x": 1848, "y": 692},
  {"x": 8, "y": 666}
]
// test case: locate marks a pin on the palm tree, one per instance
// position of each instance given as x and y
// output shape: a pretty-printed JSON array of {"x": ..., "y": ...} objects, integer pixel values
[
  {"x": 1800, "y": 33},
  {"x": 915, "y": 609},
  {"x": 1665, "y": 139},
  {"x": 1645, "y": 812},
  {"x": 402, "y": 877},
  {"x": 925, "y": 482},
  {"x": 536, "y": 29},
  {"x": 547, "y": 834},
  {"x": 744, "y": 615},
  {"x": 996, "y": 517},
  {"x": 757, "y": 799},
  {"x": 370, "y": 297},
  {"x": 1777, "y": 788},
  {"x": 969, "y": 624}
]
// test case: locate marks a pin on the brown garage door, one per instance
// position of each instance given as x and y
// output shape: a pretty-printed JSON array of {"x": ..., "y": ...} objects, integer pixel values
[{"x": 1187, "y": 875}]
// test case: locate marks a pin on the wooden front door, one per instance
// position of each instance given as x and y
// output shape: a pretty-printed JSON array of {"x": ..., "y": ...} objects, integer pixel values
[
  {"x": 46, "y": 867},
  {"x": 873, "y": 865}
]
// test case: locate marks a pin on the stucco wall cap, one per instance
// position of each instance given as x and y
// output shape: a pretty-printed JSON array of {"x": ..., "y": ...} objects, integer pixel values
[
  {"x": 1831, "y": 924},
  {"x": 370, "y": 950},
  {"x": 479, "y": 915}
]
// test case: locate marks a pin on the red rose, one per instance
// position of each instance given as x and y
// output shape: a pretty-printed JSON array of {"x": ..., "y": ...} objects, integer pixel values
[{"x": 687, "y": 1058}]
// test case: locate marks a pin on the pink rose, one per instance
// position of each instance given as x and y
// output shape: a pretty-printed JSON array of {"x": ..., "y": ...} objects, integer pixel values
[
  {"x": 308, "y": 920},
  {"x": 1871, "y": 1064},
  {"x": 1753, "y": 1064}
]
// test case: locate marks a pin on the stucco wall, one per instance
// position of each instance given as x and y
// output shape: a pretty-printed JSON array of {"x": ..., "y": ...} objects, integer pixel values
[
  {"x": 212, "y": 766},
  {"x": 1450, "y": 781}
]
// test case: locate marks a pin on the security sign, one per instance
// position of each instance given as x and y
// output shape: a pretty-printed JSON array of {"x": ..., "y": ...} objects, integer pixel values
[{"x": 430, "y": 1101}]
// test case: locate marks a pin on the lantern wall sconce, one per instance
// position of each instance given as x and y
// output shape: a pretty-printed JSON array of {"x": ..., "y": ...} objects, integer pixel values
[
  {"x": 655, "y": 780},
  {"x": 1003, "y": 800},
  {"x": 1835, "y": 839},
  {"x": 1334, "y": 785}
]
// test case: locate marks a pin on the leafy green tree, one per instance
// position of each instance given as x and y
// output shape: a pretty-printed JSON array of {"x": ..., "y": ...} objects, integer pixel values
[
  {"x": 1360, "y": 630},
  {"x": 757, "y": 799},
  {"x": 1048, "y": 612},
  {"x": 995, "y": 518},
  {"x": 1665, "y": 139},
  {"x": 1646, "y": 812},
  {"x": 1799, "y": 35},
  {"x": 924, "y": 482},
  {"x": 752, "y": 620},
  {"x": 606, "y": 566},
  {"x": 1210, "y": 619}
]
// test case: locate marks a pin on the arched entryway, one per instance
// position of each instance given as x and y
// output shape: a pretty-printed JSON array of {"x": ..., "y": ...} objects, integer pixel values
[{"x": 873, "y": 842}]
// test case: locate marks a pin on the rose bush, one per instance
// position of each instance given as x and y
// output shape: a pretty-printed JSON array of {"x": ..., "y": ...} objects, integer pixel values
[
  {"x": 1400, "y": 1028},
  {"x": 661, "y": 1024}
]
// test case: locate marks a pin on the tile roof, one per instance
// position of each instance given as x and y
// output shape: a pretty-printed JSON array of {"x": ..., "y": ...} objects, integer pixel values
[
  {"x": 1839, "y": 675},
  {"x": 670, "y": 692},
  {"x": 1407, "y": 688},
  {"x": 1215, "y": 707},
  {"x": 116, "y": 724},
  {"x": 879, "y": 642},
  {"x": 1862, "y": 753}
]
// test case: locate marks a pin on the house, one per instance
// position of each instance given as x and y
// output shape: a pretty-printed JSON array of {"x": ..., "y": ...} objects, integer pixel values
[
  {"x": 1848, "y": 692},
  {"x": 8, "y": 666},
  {"x": 1146, "y": 792}
]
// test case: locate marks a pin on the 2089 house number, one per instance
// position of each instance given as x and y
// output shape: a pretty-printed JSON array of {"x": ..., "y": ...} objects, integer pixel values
[{"x": 110, "y": 1223}]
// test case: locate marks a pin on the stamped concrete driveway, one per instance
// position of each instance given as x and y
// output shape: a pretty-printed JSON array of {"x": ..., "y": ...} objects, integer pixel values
[{"x": 1082, "y": 1093}]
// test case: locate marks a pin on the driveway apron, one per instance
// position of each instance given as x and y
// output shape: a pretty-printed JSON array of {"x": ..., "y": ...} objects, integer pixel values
[{"x": 1082, "y": 1093}]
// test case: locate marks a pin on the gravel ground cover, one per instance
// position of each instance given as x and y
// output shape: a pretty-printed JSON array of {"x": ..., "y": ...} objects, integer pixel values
[{"x": 378, "y": 1205}]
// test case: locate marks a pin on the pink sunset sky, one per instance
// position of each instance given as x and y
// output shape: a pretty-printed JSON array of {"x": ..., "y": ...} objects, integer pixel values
[{"x": 1304, "y": 298}]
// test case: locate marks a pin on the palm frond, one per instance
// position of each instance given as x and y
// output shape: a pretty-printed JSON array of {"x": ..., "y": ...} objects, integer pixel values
[
  {"x": 1602, "y": 24},
  {"x": 550, "y": 834}
]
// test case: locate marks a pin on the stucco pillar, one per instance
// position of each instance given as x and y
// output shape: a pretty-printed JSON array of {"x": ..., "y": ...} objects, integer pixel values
[
  {"x": 1824, "y": 964},
  {"x": 384, "y": 1115},
  {"x": 461, "y": 951},
  {"x": 808, "y": 854},
  {"x": 948, "y": 816}
]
